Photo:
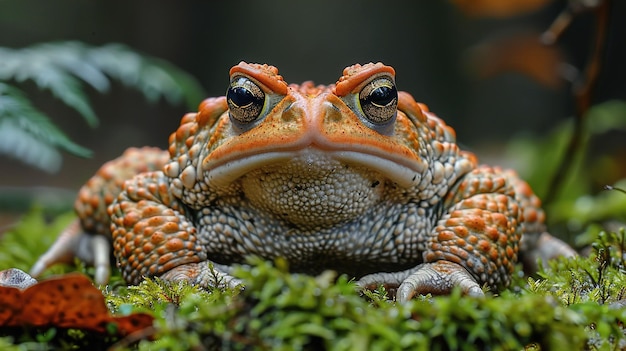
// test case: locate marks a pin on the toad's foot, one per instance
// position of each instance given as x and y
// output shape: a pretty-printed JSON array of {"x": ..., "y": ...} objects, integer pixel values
[
  {"x": 73, "y": 242},
  {"x": 204, "y": 274},
  {"x": 438, "y": 278},
  {"x": 542, "y": 248}
]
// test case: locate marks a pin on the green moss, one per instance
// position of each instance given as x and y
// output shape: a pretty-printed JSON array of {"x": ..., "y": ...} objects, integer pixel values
[
  {"x": 21, "y": 245},
  {"x": 573, "y": 304},
  {"x": 283, "y": 311}
]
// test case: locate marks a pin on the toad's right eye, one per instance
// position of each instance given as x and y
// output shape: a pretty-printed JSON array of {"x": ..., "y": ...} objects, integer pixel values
[{"x": 245, "y": 100}]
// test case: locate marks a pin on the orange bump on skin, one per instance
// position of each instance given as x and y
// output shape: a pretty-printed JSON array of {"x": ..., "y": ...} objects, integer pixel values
[
  {"x": 439, "y": 147},
  {"x": 530, "y": 215},
  {"x": 174, "y": 244},
  {"x": 155, "y": 221},
  {"x": 184, "y": 235},
  {"x": 127, "y": 235},
  {"x": 153, "y": 188},
  {"x": 455, "y": 221},
  {"x": 455, "y": 257},
  {"x": 183, "y": 132},
  {"x": 500, "y": 220},
  {"x": 147, "y": 247},
  {"x": 157, "y": 238},
  {"x": 494, "y": 254},
  {"x": 492, "y": 233},
  {"x": 128, "y": 249},
  {"x": 172, "y": 148},
  {"x": 503, "y": 239},
  {"x": 150, "y": 211},
  {"x": 461, "y": 231},
  {"x": 354, "y": 75},
  {"x": 137, "y": 241},
  {"x": 472, "y": 239},
  {"x": 165, "y": 258},
  {"x": 459, "y": 253},
  {"x": 170, "y": 227},
  {"x": 130, "y": 219},
  {"x": 148, "y": 231},
  {"x": 190, "y": 141},
  {"x": 475, "y": 223},
  {"x": 510, "y": 252},
  {"x": 445, "y": 236},
  {"x": 94, "y": 201},
  {"x": 430, "y": 257},
  {"x": 486, "y": 184},
  {"x": 210, "y": 109},
  {"x": 484, "y": 245},
  {"x": 139, "y": 228}
]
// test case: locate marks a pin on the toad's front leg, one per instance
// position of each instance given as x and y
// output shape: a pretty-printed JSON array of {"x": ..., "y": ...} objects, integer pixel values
[
  {"x": 153, "y": 235},
  {"x": 474, "y": 242}
]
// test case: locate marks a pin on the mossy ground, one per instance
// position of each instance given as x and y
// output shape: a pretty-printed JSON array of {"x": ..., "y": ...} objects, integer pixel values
[{"x": 575, "y": 304}]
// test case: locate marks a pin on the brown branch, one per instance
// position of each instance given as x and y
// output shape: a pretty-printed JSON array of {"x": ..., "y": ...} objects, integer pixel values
[{"x": 583, "y": 89}]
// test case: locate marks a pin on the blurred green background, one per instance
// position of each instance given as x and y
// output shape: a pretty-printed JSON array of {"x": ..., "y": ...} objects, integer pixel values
[{"x": 430, "y": 43}]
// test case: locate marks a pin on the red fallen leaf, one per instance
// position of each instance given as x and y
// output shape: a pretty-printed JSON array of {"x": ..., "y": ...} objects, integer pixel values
[
  {"x": 498, "y": 8},
  {"x": 68, "y": 301}
]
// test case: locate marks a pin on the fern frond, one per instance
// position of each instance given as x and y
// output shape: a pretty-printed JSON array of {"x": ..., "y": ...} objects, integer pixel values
[
  {"x": 155, "y": 78},
  {"x": 63, "y": 69},
  {"x": 49, "y": 71},
  {"x": 28, "y": 135}
]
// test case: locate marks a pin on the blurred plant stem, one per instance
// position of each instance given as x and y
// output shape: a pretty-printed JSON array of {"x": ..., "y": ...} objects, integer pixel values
[{"x": 583, "y": 87}]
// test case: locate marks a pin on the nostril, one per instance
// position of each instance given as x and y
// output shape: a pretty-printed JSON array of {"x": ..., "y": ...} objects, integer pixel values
[
  {"x": 333, "y": 113},
  {"x": 290, "y": 113}
]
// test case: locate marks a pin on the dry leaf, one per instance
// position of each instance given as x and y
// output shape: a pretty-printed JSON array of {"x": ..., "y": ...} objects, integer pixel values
[
  {"x": 498, "y": 8},
  {"x": 68, "y": 301}
]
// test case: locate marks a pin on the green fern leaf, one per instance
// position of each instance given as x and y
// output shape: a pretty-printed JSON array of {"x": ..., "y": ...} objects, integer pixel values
[
  {"x": 70, "y": 56},
  {"x": 155, "y": 78},
  {"x": 63, "y": 69},
  {"x": 28, "y": 135},
  {"x": 47, "y": 73}
]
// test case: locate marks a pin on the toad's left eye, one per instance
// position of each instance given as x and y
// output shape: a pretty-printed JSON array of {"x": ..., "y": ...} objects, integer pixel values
[{"x": 379, "y": 100}]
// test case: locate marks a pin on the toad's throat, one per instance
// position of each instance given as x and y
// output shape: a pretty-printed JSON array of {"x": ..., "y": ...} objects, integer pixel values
[
  {"x": 313, "y": 191},
  {"x": 402, "y": 171}
]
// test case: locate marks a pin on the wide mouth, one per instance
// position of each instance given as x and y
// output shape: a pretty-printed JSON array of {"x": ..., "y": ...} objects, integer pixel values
[{"x": 400, "y": 170}]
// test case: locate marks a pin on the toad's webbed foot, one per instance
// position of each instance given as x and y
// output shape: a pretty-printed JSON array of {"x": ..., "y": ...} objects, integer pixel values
[
  {"x": 437, "y": 278},
  {"x": 204, "y": 274},
  {"x": 93, "y": 249}
]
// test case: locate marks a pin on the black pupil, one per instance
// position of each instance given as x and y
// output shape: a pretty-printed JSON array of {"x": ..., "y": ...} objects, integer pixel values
[
  {"x": 241, "y": 96},
  {"x": 382, "y": 96}
]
